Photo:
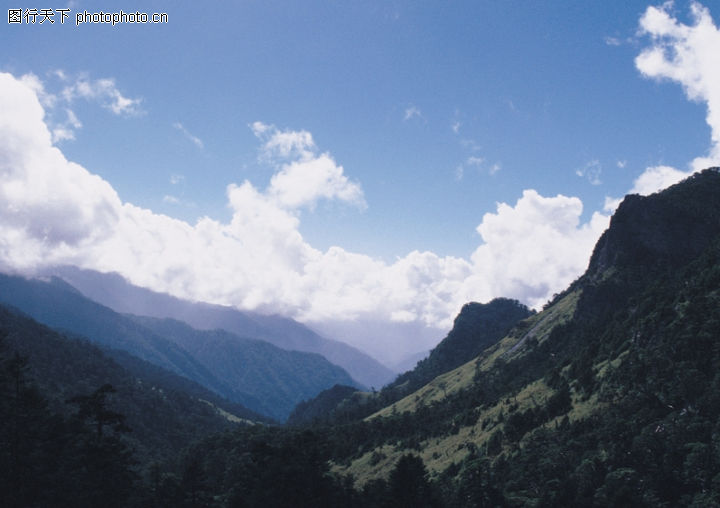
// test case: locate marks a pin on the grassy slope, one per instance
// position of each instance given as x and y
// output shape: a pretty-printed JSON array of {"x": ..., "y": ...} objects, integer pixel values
[{"x": 440, "y": 453}]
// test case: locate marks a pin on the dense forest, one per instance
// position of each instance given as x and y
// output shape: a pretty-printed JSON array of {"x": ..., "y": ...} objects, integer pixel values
[{"x": 608, "y": 397}]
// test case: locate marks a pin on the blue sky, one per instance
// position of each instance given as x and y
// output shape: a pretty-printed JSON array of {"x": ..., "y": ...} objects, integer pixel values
[{"x": 426, "y": 115}]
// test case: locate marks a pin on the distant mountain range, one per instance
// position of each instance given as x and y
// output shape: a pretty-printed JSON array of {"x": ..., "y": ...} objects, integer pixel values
[
  {"x": 254, "y": 373},
  {"x": 164, "y": 410},
  {"x": 112, "y": 290}
]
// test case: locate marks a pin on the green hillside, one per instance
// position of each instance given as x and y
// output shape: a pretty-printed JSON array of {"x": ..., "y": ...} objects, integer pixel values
[{"x": 607, "y": 397}]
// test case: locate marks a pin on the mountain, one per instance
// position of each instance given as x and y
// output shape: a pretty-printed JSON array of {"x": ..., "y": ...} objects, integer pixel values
[
  {"x": 163, "y": 410},
  {"x": 610, "y": 396},
  {"x": 322, "y": 408},
  {"x": 288, "y": 376},
  {"x": 477, "y": 327},
  {"x": 277, "y": 378},
  {"x": 410, "y": 361},
  {"x": 112, "y": 290}
]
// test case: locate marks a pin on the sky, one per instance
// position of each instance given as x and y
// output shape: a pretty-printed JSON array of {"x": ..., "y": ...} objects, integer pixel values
[{"x": 365, "y": 167}]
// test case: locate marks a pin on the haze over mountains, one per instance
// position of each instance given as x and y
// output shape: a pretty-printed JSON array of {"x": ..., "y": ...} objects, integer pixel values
[
  {"x": 252, "y": 372},
  {"x": 115, "y": 292}
]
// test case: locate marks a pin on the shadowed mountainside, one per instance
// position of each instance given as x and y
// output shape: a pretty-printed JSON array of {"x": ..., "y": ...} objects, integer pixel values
[
  {"x": 114, "y": 291},
  {"x": 287, "y": 377}
]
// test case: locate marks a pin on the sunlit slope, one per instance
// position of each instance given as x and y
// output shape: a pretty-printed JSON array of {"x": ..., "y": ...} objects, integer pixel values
[
  {"x": 533, "y": 330},
  {"x": 474, "y": 432}
]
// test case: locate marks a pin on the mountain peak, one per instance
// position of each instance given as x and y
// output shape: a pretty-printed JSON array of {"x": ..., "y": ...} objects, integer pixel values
[{"x": 662, "y": 230}]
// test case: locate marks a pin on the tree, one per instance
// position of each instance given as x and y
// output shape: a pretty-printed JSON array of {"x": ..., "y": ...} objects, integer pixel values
[
  {"x": 93, "y": 409},
  {"x": 409, "y": 485},
  {"x": 104, "y": 462}
]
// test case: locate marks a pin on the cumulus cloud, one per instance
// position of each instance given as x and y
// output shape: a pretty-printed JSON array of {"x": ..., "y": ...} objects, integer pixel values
[
  {"x": 53, "y": 211},
  {"x": 690, "y": 55},
  {"x": 49, "y": 206},
  {"x": 304, "y": 176},
  {"x": 653, "y": 179},
  {"x": 535, "y": 248},
  {"x": 657, "y": 178}
]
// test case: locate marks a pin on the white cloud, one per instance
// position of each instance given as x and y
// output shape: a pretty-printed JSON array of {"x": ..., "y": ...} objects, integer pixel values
[
  {"x": 653, "y": 179},
  {"x": 412, "y": 112},
  {"x": 284, "y": 144},
  {"x": 62, "y": 134},
  {"x": 479, "y": 164},
  {"x": 456, "y": 127},
  {"x": 689, "y": 55},
  {"x": 49, "y": 206},
  {"x": 193, "y": 139},
  {"x": 657, "y": 178},
  {"x": 592, "y": 171},
  {"x": 105, "y": 92},
  {"x": 304, "y": 176},
  {"x": 72, "y": 120},
  {"x": 102, "y": 91},
  {"x": 474, "y": 161},
  {"x": 471, "y": 145},
  {"x": 535, "y": 248},
  {"x": 53, "y": 211},
  {"x": 47, "y": 99}
]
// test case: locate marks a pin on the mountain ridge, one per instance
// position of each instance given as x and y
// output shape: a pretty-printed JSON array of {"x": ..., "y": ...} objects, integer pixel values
[
  {"x": 54, "y": 304},
  {"x": 603, "y": 361},
  {"x": 244, "y": 362},
  {"x": 114, "y": 291}
]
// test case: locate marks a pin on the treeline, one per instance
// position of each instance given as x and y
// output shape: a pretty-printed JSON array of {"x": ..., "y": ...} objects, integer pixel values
[{"x": 47, "y": 459}]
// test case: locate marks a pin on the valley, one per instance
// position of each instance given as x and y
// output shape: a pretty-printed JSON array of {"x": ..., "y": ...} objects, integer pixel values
[{"x": 608, "y": 396}]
